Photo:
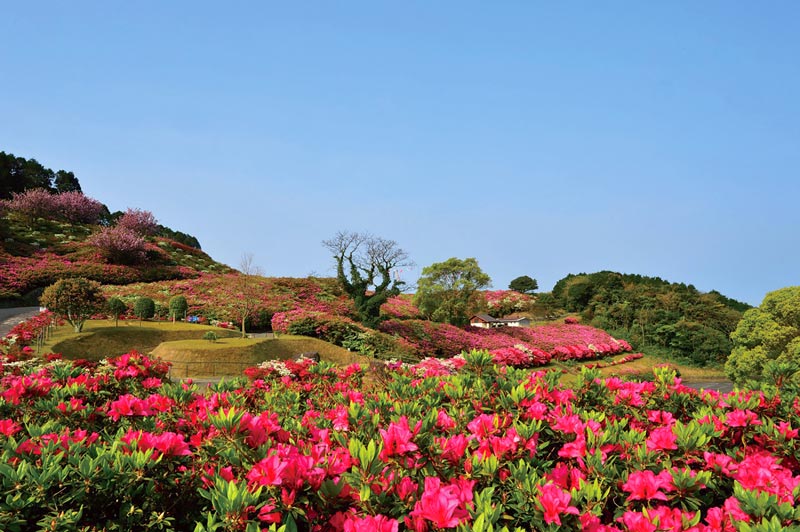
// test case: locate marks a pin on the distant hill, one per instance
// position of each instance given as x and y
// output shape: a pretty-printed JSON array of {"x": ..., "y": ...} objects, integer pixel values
[{"x": 653, "y": 312}]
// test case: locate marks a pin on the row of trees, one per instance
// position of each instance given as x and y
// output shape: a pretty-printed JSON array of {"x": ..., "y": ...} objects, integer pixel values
[
  {"x": 18, "y": 174},
  {"x": 78, "y": 299}
]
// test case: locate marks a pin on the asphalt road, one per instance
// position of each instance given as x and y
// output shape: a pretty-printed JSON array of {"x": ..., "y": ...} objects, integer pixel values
[{"x": 9, "y": 317}]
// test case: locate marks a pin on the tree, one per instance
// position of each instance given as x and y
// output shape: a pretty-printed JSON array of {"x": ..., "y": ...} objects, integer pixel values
[
  {"x": 66, "y": 182},
  {"x": 524, "y": 284},
  {"x": 178, "y": 307},
  {"x": 364, "y": 267},
  {"x": 143, "y": 223},
  {"x": 246, "y": 291},
  {"x": 445, "y": 289},
  {"x": 144, "y": 308},
  {"x": 116, "y": 306},
  {"x": 765, "y": 334},
  {"x": 120, "y": 245},
  {"x": 74, "y": 299}
]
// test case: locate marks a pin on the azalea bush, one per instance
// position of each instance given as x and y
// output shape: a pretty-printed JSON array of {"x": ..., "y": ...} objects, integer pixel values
[
  {"x": 305, "y": 446},
  {"x": 559, "y": 341}
]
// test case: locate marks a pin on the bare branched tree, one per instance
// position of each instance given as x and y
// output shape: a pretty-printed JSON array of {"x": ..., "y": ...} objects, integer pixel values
[
  {"x": 364, "y": 266},
  {"x": 246, "y": 292}
]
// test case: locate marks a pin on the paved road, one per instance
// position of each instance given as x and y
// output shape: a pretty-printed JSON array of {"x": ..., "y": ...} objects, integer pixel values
[
  {"x": 9, "y": 317},
  {"x": 721, "y": 386}
]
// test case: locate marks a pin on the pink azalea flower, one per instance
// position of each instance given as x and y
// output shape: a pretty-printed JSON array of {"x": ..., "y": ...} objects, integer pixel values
[
  {"x": 370, "y": 523},
  {"x": 662, "y": 439},
  {"x": 554, "y": 502},
  {"x": 646, "y": 485},
  {"x": 397, "y": 439},
  {"x": 267, "y": 472}
]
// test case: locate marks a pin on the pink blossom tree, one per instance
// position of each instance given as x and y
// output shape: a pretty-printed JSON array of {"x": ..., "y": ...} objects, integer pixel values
[
  {"x": 33, "y": 203},
  {"x": 75, "y": 207},
  {"x": 139, "y": 221},
  {"x": 120, "y": 245}
]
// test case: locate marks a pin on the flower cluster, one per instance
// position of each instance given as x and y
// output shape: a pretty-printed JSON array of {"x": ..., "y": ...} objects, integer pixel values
[
  {"x": 312, "y": 447},
  {"x": 530, "y": 346},
  {"x": 499, "y": 303}
]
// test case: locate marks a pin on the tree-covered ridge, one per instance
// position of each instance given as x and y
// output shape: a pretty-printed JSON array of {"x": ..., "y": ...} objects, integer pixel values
[
  {"x": 18, "y": 174},
  {"x": 650, "y": 311}
]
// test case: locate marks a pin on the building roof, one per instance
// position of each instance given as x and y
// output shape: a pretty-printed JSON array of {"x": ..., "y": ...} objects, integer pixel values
[{"x": 484, "y": 317}]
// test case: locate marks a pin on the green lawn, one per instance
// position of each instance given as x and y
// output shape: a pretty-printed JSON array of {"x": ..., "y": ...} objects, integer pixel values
[
  {"x": 230, "y": 356},
  {"x": 100, "y": 338}
]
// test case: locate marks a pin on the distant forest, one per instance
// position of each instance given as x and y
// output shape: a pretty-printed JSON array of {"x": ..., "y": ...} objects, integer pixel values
[
  {"x": 654, "y": 313},
  {"x": 18, "y": 174}
]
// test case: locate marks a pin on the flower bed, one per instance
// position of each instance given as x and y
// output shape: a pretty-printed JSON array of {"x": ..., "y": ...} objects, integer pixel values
[
  {"x": 307, "y": 447},
  {"x": 531, "y": 345}
]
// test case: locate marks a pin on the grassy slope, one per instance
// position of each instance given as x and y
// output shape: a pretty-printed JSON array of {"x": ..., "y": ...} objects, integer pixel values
[
  {"x": 230, "y": 356},
  {"x": 100, "y": 338}
]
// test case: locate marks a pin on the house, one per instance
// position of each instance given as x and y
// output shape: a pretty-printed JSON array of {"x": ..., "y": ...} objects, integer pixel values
[{"x": 487, "y": 322}]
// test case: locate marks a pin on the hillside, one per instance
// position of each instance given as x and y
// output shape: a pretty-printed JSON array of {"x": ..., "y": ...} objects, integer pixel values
[
  {"x": 651, "y": 312},
  {"x": 35, "y": 252}
]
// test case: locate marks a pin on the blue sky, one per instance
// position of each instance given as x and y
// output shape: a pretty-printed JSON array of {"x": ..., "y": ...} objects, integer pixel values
[{"x": 541, "y": 138}]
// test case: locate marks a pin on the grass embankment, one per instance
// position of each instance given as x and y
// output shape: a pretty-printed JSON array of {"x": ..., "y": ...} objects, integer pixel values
[
  {"x": 100, "y": 338},
  {"x": 230, "y": 356},
  {"x": 642, "y": 368}
]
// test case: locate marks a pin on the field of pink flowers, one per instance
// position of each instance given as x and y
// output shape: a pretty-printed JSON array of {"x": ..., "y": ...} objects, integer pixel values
[{"x": 307, "y": 447}]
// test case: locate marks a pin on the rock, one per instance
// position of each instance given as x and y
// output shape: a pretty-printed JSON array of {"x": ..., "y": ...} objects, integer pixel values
[{"x": 308, "y": 355}]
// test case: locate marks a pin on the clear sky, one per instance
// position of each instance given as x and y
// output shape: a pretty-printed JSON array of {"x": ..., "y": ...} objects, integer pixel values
[{"x": 542, "y": 138}]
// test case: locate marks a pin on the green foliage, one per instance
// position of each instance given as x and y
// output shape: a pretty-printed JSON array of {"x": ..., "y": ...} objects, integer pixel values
[
  {"x": 18, "y": 174},
  {"x": 144, "y": 308},
  {"x": 770, "y": 332},
  {"x": 178, "y": 307},
  {"x": 524, "y": 284},
  {"x": 116, "y": 307},
  {"x": 651, "y": 312},
  {"x": 178, "y": 236},
  {"x": 74, "y": 299},
  {"x": 211, "y": 336},
  {"x": 445, "y": 289}
]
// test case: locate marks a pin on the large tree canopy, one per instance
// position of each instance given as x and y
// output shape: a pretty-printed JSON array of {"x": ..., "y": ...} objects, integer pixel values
[
  {"x": 524, "y": 284},
  {"x": 365, "y": 265},
  {"x": 74, "y": 299},
  {"x": 445, "y": 290},
  {"x": 768, "y": 339}
]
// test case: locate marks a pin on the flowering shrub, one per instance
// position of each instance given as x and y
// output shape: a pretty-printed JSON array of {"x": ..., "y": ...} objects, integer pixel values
[
  {"x": 71, "y": 206},
  {"x": 120, "y": 245},
  {"x": 76, "y": 208},
  {"x": 499, "y": 303},
  {"x": 309, "y": 447},
  {"x": 14, "y": 344},
  {"x": 142, "y": 223},
  {"x": 538, "y": 344},
  {"x": 33, "y": 203},
  {"x": 401, "y": 307}
]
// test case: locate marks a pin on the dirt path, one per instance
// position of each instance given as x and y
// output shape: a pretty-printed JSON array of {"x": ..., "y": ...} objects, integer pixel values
[{"x": 9, "y": 317}]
